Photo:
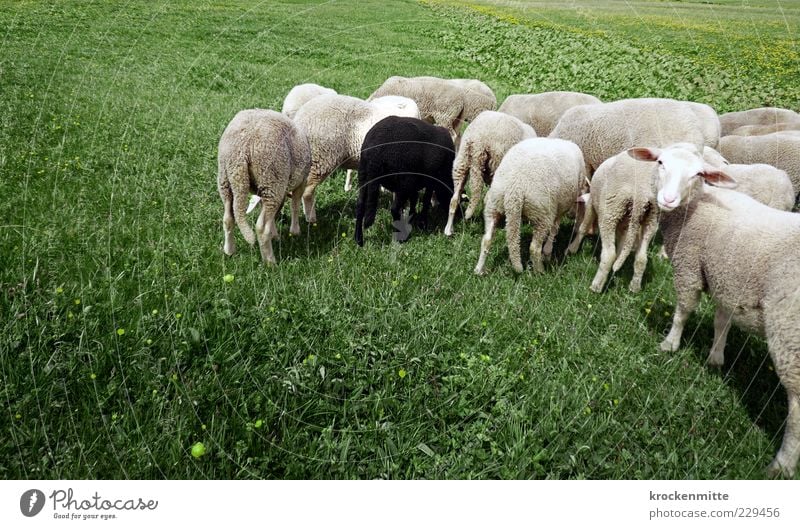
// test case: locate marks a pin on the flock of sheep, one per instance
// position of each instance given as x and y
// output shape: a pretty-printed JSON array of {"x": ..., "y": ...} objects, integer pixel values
[{"x": 719, "y": 188}]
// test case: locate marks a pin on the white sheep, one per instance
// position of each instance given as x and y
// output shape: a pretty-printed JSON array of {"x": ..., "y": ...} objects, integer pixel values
[
  {"x": 538, "y": 179},
  {"x": 263, "y": 152},
  {"x": 603, "y": 130},
  {"x": 756, "y": 116},
  {"x": 335, "y": 126},
  {"x": 760, "y": 130},
  {"x": 778, "y": 150},
  {"x": 542, "y": 111},
  {"x": 765, "y": 183},
  {"x": 745, "y": 255},
  {"x": 300, "y": 95},
  {"x": 478, "y": 97},
  {"x": 622, "y": 202},
  {"x": 446, "y": 102},
  {"x": 485, "y": 142}
]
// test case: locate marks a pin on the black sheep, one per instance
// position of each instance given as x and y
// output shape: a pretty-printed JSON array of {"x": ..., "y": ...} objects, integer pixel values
[{"x": 404, "y": 155}]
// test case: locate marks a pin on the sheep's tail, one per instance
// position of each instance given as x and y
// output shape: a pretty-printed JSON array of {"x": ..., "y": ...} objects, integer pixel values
[
  {"x": 238, "y": 176},
  {"x": 637, "y": 214},
  {"x": 512, "y": 204}
]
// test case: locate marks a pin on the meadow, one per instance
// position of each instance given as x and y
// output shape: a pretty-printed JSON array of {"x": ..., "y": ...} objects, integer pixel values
[{"x": 128, "y": 337}]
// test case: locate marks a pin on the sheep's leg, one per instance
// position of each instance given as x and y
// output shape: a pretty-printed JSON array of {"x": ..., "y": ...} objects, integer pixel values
[
  {"x": 297, "y": 197},
  {"x": 265, "y": 227},
  {"x": 640, "y": 261},
  {"x": 607, "y": 256},
  {"x": 547, "y": 252},
  {"x": 397, "y": 206},
  {"x": 475, "y": 191},
  {"x": 228, "y": 223},
  {"x": 412, "y": 205},
  {"x": 786, "y": 459},
  {"x": 459, "y": 176},
  {"x": 584, "y": 228},
  {"x": 426, "y": 207},
  {"x": 348, "y": 182},
  {"x": 687, "y": 302},
  {"x": 314, "y": 179},
  {"x": 722, "y": 324},
  {"x": 486, "y": 242},
  {"x": 540, "y": 233}
]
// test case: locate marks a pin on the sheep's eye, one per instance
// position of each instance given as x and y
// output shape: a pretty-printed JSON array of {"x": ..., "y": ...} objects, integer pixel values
[{"x": 660, "y": 162}]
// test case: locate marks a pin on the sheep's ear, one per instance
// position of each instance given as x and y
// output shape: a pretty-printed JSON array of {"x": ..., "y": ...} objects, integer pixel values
[
  {"x": 717, "y": 177},
  {"x": 644, "y": 154},
  {"x": 583, "y": 199}
]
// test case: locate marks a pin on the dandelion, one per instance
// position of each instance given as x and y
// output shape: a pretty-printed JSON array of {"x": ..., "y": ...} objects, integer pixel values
[
  {"x": 228, "y": 278},
  {"x": 402, "y": 373},
  {"x": 154, "y": 312},
  {"x": 77, "y": 301},
  {"x": 120, "y": 331},
  {"x": 178, "y": 315},
  {"x": 258, "y": 424},
  {"x": 93, "y": 376},
  {"x": 149, "y": 341},
  {"x": 202, "y": 426},
  {"x": 59, "y": 290}
]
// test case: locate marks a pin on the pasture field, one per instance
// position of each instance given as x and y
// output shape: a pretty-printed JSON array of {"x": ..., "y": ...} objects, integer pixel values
[{"x": 122, "y": 345}]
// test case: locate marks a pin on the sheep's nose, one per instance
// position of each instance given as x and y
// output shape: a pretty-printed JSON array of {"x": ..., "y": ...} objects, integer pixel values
[{"x": 669, "y": 198}]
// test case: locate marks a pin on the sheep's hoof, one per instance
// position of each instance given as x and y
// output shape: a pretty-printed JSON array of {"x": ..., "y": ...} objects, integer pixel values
[
  {"x": 596, "y": 288},
  {"x": 229, "y": 249},
  {"x": 448, "y": 230},
  {"x": 635, "y": 287},
  {"x": 715, "y": 359},
  {"x": 777, "y": 470},
  {"x": 480, "y": 271},
  {"x": 668, "y": 346}
]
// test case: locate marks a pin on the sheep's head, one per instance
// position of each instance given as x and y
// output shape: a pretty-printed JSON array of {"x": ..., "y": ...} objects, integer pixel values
[{"x": 681, "y": 173}]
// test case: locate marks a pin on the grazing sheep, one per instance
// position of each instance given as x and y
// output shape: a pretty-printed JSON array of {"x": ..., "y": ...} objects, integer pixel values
[
  {"x": 622, "y": 202},
  {"x": 778, "y": 150},
  {"x": 300, "y": 95},
  {"x": 261, "y": 151},
  {"x": 744, "y": 255},
  {"x": 765, "y": 183},
  {"x": 390, "y": 106},
  {"x": 404, "y": 155},
  {"x": 485, "y": 142},
  {"x": 336, "y": 126},
  {"x": 756, "y": 116},
  {"x": 539, "y": 179},
  {"x": 478, "y": 97},
  {"x": 606, "y": 129},
  {"x": 542, "y": 111},
  {"x": 760, "y": 130},
  {"x": 438, "y": 100}
]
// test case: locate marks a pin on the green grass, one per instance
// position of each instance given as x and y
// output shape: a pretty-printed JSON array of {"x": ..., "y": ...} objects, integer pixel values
[{"x": 388, "y": 361}]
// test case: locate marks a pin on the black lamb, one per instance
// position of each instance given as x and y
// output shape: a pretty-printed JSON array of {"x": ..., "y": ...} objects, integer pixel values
[{"x": 404, "y": 155}]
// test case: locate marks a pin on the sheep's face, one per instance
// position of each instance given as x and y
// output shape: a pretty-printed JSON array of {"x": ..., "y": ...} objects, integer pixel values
[{"x": 680, "y": 174}]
